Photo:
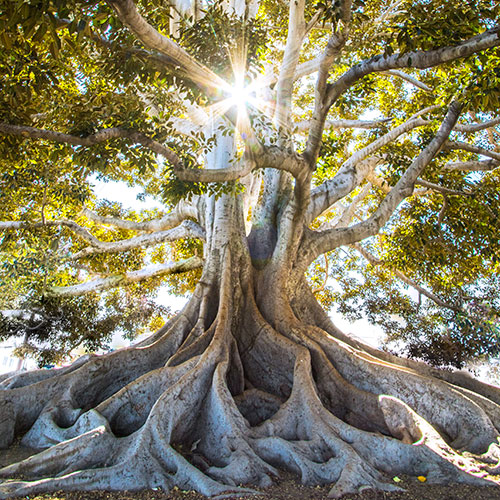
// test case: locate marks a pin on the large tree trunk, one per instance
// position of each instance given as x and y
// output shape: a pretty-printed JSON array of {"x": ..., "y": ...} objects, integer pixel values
[{"x": 249, "y": 378}]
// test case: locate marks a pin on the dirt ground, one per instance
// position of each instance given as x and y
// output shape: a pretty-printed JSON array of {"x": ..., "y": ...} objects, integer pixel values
[
  {"x": 289, "y": 489},
  {"x": 286, "y": 487}
]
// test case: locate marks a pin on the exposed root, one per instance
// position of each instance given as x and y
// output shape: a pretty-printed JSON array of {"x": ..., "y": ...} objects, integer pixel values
[{"x": 230, "y": 398}]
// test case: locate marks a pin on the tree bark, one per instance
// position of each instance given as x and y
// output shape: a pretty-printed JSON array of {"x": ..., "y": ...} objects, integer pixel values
[{"x": 251, "y": 377}]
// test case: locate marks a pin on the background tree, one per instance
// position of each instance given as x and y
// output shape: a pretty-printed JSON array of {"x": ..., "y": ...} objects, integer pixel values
[{"x": 274, "y": 134}]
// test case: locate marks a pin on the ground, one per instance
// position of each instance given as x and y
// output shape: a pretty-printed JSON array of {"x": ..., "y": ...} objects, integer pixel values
[{"x": 291, "y": 489}]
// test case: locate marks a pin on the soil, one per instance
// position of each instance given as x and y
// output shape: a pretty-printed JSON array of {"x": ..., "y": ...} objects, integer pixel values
[
  {"x": 290, "y": 489},
  {"x": 286, "y": 487}
]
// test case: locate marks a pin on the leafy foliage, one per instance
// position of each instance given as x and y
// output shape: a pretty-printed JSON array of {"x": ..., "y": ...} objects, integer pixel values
[{"x": 72, "y": 67}]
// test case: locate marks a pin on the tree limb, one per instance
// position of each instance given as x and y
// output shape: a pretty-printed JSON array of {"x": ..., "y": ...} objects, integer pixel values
[
  {"x": 476, "y": 127},
  {"x": 190, "y": 68},
  {"x": 323, "y": 241},
  {"x": 99, "y": 137},
  {"x": 188, "y": 229},
  {"x": 407, "y": 78},
  {"x": 414, "y": 59},
  {"x": 473, "y": 166},
  {"x": 182, "y": 211},
  {"x": 451, "y": 145},
  {"x": 441, "y": 189},
  {"x": 127, "y": 278},
  {"x": 340, "y": 124},
  {"x": 76, "y": 228},
  {"x": 354, "y": 170},
  {"x": 295, "y": 37}
]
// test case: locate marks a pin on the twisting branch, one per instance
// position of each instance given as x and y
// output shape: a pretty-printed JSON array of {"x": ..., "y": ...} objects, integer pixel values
[
  {"x": 324, "y": 241},
  {"x": 151, "y": 38},
  {"x": 188, "y": 229},
  {"x": 441, "y": 189},
  {"x": 127, "y": 278},
  {"x": 453, "y": 145},
  {"x": 378, "y": 263},
  {"x": 354, "y": 170},
  {"x": 99, "y": 137},
  {"x": 182, "y": 211},
  {"x": 473, "y": 166},
  {"x": 407, "y": 78}
]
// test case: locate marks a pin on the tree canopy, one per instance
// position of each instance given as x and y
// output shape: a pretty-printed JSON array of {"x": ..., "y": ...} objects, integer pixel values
[
  {"x": 89, "y": 95},
  {"x": 303, "y": 153}
]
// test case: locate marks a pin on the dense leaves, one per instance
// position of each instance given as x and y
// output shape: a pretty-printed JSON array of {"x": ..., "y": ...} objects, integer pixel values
[{"x": 72, "y": 67}]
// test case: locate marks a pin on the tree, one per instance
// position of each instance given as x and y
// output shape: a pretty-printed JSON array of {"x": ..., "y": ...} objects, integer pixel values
[{"x": 251, "y": 122}]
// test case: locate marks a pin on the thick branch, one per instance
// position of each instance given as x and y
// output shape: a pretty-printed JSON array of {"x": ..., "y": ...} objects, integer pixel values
[
  {"x": 452, "y": 145},
  {"x": 127, "y": 278},
  {"x": 295, "y": 37},
  {"x": 258, "y": 157},
  {"x": 101, "y": 136},
  {"x": 181, "y": 212},
  {"x": 324, "y": 241},
  {"x": 353, "y": 171},
  {"x": 378, "y": 263},
  {"x": 190, "y": 68},
  {"x": 473, "y": 166},
  {"x": 188, "y": 229}
]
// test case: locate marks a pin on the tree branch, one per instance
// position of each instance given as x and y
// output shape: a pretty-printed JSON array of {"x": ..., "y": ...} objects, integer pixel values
[
  {"x": 76, "y": 228},
  {"x": 127, "y": 278},
  {"x": 476, "y": 127},
  {"x": 188, "y": 229},
  {"x": 295, "y": 37},
  {"x": 451, "y": 145},
  {"x": 340, "y": 124},
  {"x": 181, "y": 212},
  {"x": 441, "y": 189},
  {"x": 190, "y": 68},
  {"x": 99, "y": 137},
  {"x": 324, "y": 241},
  {"x": 415, "y": 59},
  {"x": 354, "y": 170},
  {"x": 407, "y": 78},
  {"x": 473, "y": 166}
]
